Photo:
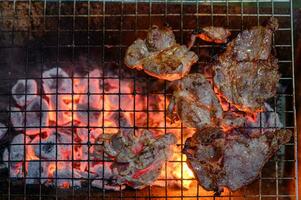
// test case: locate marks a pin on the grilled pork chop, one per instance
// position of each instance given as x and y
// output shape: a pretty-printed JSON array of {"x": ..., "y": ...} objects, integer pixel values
[
  {"x": 246, "y": 74},
  {"x": 137, "y": 159},
  {"x": 231, "y": 159},
  {"x": 160, "y": 56},
  {"x": 214, "y": 34},
  {"x": 197, "y": 105},
  {"x": 195, "y": 101}
]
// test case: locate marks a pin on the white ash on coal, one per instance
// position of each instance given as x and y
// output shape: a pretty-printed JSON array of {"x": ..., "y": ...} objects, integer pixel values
[
  {"x": 3, "y": 130},
  {"x": 17, "y": 118},
  {"x": 36, "y": 116},
  {"x": 24, "y": 91},
  {"x": 67, "y": 131}
]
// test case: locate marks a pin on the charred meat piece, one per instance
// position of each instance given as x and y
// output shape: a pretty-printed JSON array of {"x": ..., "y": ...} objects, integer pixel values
[
  {"x": 247, "y": 85},
  {"x": 246, "y": 74},
  {"x": 214, "y": 34},
  {"x": 231, "y": 159},
  {"x": 195, "y": 102},
  {"x": 253, "y": 44},
  {"x": 138, "y": 159},
  {"x": 171, "y": 64},
  {"x": 158, "y": 39},
  {"x": 160, "y": 56}
]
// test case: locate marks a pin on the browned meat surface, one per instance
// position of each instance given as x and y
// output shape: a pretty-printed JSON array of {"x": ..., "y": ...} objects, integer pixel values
[
  {"x": 137, "y": 159},
  {"x": 197, "y": 105},
  {"x": 214, "y": 34},
  {"x": 195, "y": 102},
  {"x": 160, "y": 56},
  {"x": 231, "y": 159},
  {"x": 253, "y": 44},
  {"x": 246, "y": 74},
  {"x": 158, "y": 39}
]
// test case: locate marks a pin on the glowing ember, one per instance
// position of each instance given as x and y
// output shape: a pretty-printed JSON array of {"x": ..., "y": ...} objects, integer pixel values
[{"x": 61, "y": 130}]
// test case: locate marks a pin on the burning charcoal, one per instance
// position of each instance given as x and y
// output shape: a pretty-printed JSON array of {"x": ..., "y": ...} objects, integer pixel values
[
  {"x": 95, "y": 81},
  {"x": 92, "y": 115},
  {"x": 138, "y": 159},
  {"x": 102, "y": 184},
  {"x": 231, "y": 159},
  {"x": 36, "y": 116},
  {"x": 102, "y": 170},
  {"x": 17, "y": 147},
  {"x": 48, "y": 148},
  {"x": 56, "y": 80},
  {"x": 3, "y": 130},
  {"x": 61, "y": 109},
  {"x": 55, "y": 146},
  {"x": 24, "y": 91},
  {"x": 267, "y": 119},
  {"x": 84, "y": 135},
  {"x": 17, "y": 118},
  {"x": 34, "y": 172},
  {"x": 15, "y": 168},
  {"x": 72, "y": 176}
]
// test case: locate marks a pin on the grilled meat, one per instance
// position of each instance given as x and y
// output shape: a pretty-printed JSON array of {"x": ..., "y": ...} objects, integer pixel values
[
  {"x": 195, "y": 102},
  {"x": 231, "y": 159},
  {"x": 197, "y": 105},
  {"x": 158, "y": 39},
  {"x": 254, "y": 44},
  {"x": 138, "y": 159},
  {"x": 160, "y": 56},
  {"x": 214, "y": 34},
  {"x": 246, "y": 74}
]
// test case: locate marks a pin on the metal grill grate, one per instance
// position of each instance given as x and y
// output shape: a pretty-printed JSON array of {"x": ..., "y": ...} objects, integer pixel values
[{"x": 78, "y": 36}]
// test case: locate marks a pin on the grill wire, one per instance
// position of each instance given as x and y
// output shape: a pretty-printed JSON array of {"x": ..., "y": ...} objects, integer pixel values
[{"x": 100, "y": 32}]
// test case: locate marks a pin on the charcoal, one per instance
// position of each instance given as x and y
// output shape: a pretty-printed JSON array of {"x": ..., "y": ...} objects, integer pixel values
[
  {"x": 56, "y": 80},
  {"x": 105, "y": 185},
  {"x": 48, "y": 148},
  {"x": 36, "y": 116},
  {"x": 3, "y": 130},
  {"x": 17, "y": 147},
  {"x": 102, "y": 170},
  {"x": 17, "y": 118},
  {"x": 91, "y": 115},
  {"x": 268, "y": 119},
  {"x": 34, "y": 173},
  {"x": 24, "y": 91},
  {"x": 56, "y": 146}
]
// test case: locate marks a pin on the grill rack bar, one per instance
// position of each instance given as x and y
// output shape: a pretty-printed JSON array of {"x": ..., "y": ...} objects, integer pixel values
[{"x": 105, "y": 28}]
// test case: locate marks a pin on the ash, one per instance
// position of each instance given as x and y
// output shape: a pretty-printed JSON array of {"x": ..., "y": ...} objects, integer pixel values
[{"x": 75, "y": 132}]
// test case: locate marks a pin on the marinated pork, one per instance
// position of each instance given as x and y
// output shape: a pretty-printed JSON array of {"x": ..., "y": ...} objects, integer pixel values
[
  {"x": 231, "y": 159},
  {"x": 214, "y": 34},
  {"x": 195, "y": 102},
  {"x": 160, "y": 56},
  {"x": 137, "y": 160},
  {"x": 246, "y": 74}
]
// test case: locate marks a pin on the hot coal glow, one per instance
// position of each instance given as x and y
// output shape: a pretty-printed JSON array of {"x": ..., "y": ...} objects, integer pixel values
[
  {"x": 94, "y": 128},
  {"x": 61, "y": 132}
]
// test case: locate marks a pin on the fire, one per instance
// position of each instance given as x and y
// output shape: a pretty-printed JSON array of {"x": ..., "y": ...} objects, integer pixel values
[{"x": 98, "y": 103}]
